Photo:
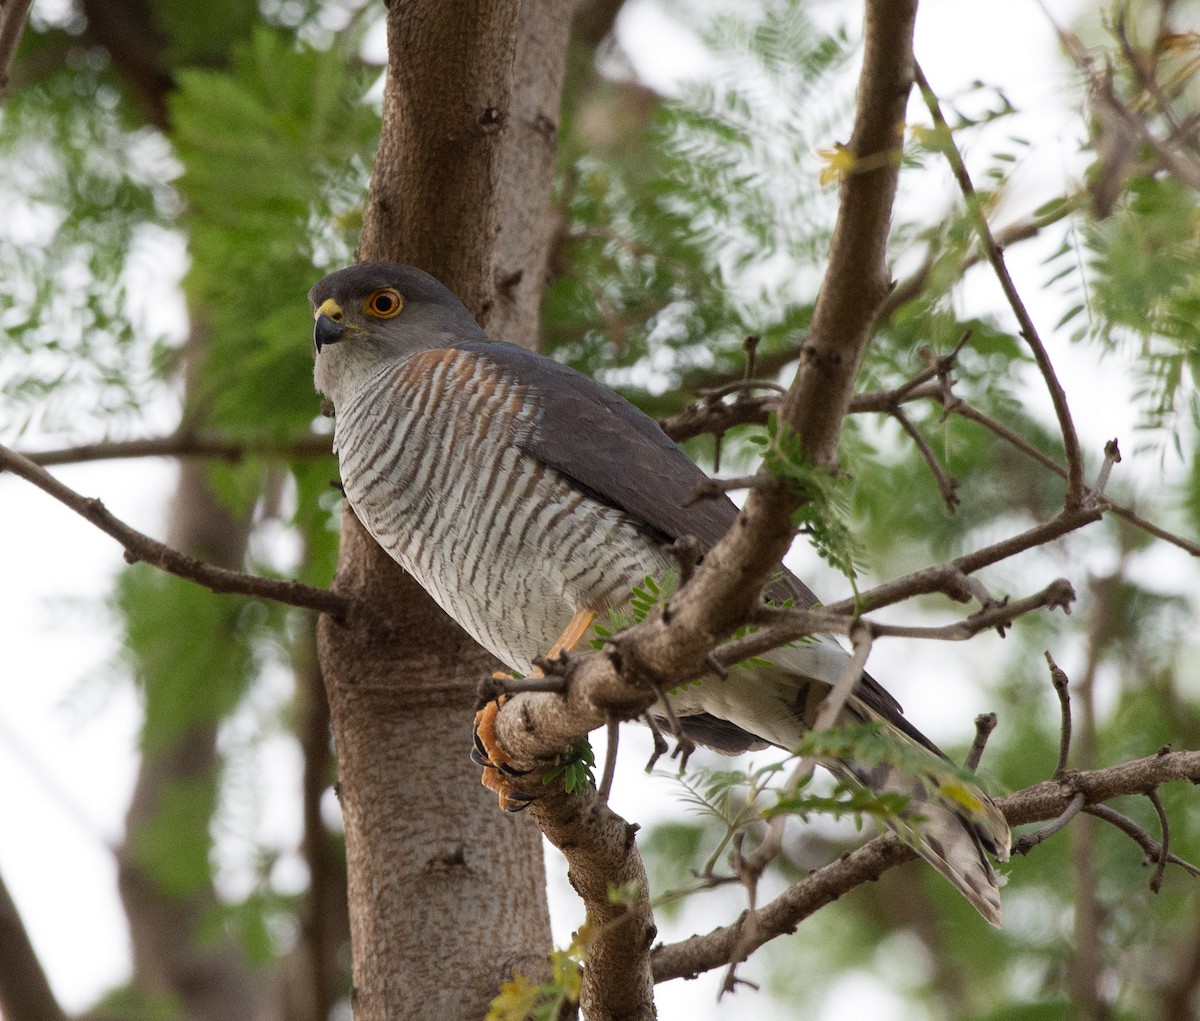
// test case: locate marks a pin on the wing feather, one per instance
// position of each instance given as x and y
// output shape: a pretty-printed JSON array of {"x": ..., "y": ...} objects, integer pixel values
[{"x": 622, "y": 457}]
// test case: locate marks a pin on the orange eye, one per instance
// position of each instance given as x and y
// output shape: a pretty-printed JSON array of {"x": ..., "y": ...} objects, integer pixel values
[{"x": 385, "y": 303}]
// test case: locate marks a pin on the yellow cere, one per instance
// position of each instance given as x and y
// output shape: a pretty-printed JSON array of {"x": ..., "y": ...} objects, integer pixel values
[{"x": 329, "y": 308}]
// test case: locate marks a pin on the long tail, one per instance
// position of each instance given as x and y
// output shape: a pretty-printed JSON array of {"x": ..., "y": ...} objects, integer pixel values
[{"x": 950, "y": 822}]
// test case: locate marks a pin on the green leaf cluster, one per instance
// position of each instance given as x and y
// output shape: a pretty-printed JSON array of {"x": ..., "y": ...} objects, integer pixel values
[
  {"x": 88, "y": 194},
  {"x": 644, "y": 599},
  {"x": 576, "y": 769},
  {"x": 520, "y": 999},
  {"x": 272, "y": 150},
  {"x": 670, "y": 230}
]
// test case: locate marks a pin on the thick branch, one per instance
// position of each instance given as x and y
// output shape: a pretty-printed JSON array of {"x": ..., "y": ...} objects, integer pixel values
[
  {"x": 857, "y": 279},
  {"x": 184, "y": 444},
  {"x": 1043, "y": 801},
  {"x": 140, "y": 547},
  {"x": 602, "y": 856}
]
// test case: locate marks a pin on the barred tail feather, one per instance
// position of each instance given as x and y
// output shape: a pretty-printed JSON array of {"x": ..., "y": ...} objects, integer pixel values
[
  {"x": 949, "y": 821},
  {"x": 953, "y": 825}
]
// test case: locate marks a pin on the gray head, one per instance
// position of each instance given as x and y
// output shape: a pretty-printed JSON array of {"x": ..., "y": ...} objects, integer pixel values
[{"x": 379, "y": 312}]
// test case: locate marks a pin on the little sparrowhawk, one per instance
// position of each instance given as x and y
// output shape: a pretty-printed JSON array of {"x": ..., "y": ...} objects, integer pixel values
[{"x": 526, "y": 498}]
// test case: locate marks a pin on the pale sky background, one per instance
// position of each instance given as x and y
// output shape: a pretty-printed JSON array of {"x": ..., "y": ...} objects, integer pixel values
[{"x": 68, "y": 722}]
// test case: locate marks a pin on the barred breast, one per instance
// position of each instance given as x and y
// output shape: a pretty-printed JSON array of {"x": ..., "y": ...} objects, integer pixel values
[{"x": 509, "y": 547}]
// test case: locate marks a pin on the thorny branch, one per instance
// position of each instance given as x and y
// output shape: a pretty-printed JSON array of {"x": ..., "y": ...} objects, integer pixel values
[{"x": 140, "y": 547}]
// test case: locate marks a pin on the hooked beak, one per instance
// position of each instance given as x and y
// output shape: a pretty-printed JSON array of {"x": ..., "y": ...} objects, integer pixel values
[{"x": 329, "y": 326}]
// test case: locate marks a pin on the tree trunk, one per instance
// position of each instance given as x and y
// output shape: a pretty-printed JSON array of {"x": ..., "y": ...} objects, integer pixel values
[{"x": 447, "y": 893}]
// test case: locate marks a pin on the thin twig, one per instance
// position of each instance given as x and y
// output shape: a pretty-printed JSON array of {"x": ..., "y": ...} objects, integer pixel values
[
  {"x": 783, "y": 626},
  {"x": 610, "y": 760},
  {"x": 751, "y": 867},
  {"x": 999, "y": 615},
  {"x": 937, "y": 576},
  {"x": 1075, "y": 485},
  {"x": 1062, "y": 688},
  {"x": 715, "y": 416},
  {"x": 718, "y": 417},
  {"x": 742, "y": 387},
  {"x": 947, "y": 484},
  {"x": 140, "y": 547},
  {"x": 1112, "y": 455},
  {"x": 985, "y": 723},
  {"x": 710, "y": 489},
  {"x": 1016, "y": 440},
  {"x": 1151, "y": 847},
  {"x": 1165, "y": 852},
  {"x": 1026, "y": 842},
  {"x": 750, "y": 346}
]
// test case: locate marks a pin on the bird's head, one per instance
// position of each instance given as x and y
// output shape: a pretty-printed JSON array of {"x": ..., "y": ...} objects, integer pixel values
[{"x": 376, "y": 313}]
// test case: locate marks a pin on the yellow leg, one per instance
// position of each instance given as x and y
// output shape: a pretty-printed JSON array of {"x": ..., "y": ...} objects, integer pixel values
[
  {"x": 485, "y": 720},
  {"x": 575, "y": 631}
]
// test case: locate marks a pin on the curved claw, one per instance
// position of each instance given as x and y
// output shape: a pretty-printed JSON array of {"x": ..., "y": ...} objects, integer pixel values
[
  {"x": 488, "y": 753},
  {"x": 517, "y": 801}
]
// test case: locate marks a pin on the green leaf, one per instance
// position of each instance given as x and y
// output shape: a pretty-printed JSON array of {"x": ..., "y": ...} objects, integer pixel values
[
  {"x": 575, "y": 769},
  {"x": 295, "y": 115}
]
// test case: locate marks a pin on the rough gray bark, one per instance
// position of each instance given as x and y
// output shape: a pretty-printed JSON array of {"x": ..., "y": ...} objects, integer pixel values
[{"x": 447, "y": 893}]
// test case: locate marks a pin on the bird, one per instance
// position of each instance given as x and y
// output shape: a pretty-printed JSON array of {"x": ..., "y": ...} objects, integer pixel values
[{"x": 528, "y": 500}]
